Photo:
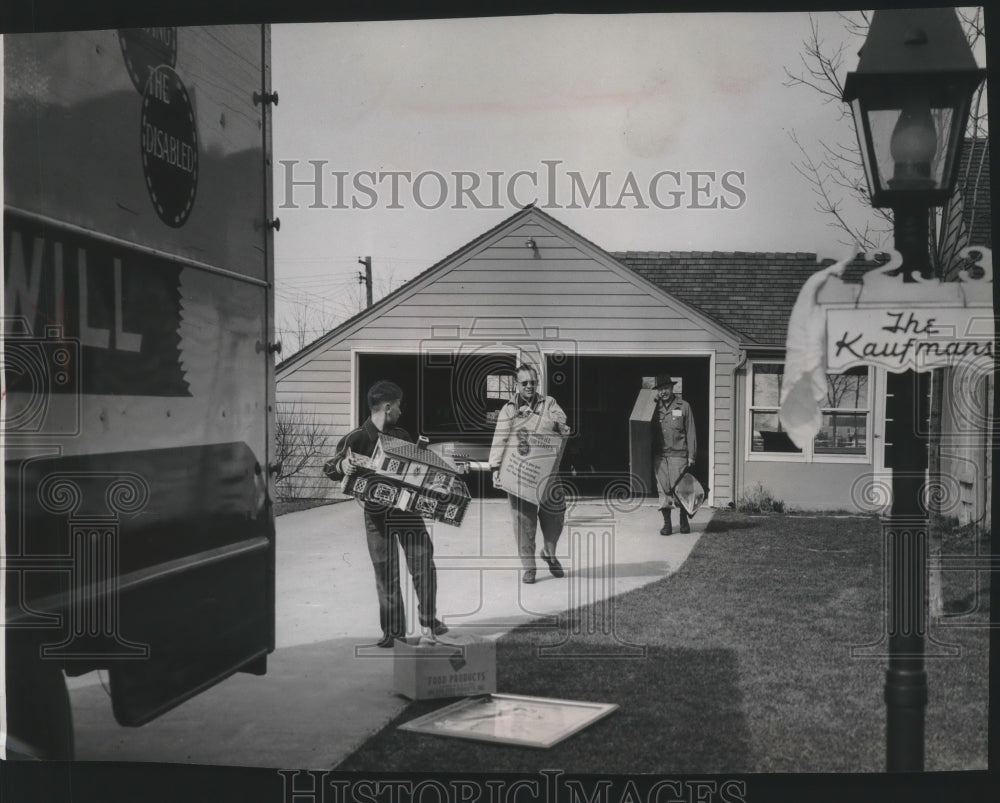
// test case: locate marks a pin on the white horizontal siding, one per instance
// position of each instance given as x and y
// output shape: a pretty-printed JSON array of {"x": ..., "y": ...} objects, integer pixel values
[
  {"x": 582, "y": 337},
  {"x": 480, "y": 270},
  {"x": 516, "y": 253},
  {"x": 514, "y": 300},
  {"x": 422, "y": 318},
  {"x": 311, "y": 373},
  {"x": 566, "y": 298},
  {"x": 327, "y": 360}
]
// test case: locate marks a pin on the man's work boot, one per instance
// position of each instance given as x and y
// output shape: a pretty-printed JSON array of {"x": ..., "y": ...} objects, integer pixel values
[
  {"x": 666, "y": 528},
  {"x": 685, "y": 527}
]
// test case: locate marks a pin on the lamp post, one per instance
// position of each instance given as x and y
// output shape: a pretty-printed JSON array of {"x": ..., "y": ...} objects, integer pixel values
[{"x": 910, "y": 97}]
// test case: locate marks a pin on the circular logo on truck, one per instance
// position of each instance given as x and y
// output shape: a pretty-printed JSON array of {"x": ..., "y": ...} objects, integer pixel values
[
  {"x": 169, "y": 146},
  {"x": 145, "y": 49}
]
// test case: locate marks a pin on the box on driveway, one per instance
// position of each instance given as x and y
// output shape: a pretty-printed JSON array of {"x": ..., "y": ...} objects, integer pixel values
[{"x": 453, "y": 666}]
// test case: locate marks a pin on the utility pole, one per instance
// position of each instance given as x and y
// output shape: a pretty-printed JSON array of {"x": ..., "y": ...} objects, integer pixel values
[{"x": 366, "y": 277}]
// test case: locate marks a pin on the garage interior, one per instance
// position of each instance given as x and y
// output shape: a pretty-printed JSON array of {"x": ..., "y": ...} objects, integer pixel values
[{"x": 455, "y": 397}]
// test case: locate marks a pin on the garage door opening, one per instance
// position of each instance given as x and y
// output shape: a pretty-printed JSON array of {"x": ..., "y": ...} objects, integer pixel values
[
  {"x": 598, "y": 394},
  {"x": 445, "y": 394},
  {"x": 453, "y": 399}
]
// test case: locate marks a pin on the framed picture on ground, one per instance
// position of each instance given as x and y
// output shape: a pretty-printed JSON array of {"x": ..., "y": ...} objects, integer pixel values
[{"x": 511, "y": 718}]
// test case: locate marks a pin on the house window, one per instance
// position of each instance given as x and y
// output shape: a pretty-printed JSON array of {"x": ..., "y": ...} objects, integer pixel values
[
  {"x": 846, "y": 415},
  {"x": 765, "y": 399},
  {"x": 500, "y": 386}
]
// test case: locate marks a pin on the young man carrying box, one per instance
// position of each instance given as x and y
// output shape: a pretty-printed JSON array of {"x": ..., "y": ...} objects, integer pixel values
[{"x": 385, "y": 527}]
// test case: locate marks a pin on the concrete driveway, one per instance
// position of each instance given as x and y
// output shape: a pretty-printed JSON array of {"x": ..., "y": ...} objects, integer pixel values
[{"x": 328, "y": 688}]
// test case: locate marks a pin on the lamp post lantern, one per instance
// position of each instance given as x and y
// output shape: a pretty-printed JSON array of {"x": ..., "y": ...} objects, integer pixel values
[{"x": 910, "y": 97}]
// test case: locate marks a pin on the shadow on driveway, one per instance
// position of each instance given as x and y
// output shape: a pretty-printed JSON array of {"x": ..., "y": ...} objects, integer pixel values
[
  {"x": 300, "y": 714},
  {"x": 680, "y": 710}
]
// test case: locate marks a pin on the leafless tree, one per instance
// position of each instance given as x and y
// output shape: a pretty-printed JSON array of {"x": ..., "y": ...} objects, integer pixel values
[
  {"x": 307, "y": 318},
  {"x": 306, "y": 321},
  {"x": 385, "y": 282},
  {"x": 840, "y": 387},
  {"x": 301, "y": 442},
  {"x": 833, "y": 167}
]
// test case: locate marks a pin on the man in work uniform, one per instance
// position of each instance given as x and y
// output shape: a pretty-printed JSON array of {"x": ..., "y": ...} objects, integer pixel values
[
  {"x": 674, "y": 447},
  {"x": 387, "y": 529}
]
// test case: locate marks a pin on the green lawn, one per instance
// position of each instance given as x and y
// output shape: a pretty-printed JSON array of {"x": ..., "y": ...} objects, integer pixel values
[{"x": 747, "y": 667}]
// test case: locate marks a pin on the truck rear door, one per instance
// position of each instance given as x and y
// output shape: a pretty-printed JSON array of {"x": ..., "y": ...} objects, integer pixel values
[{"x": 137, "y": 328}]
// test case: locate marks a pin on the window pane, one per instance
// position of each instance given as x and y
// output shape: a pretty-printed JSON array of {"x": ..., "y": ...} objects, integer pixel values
[
  {"x": 499, "y": 386},
  {"x": 849, "y": 389},
  {"x": 842, "y": 433},
  {"x": 768, "y": 435},
  {"x": 767, "y": 385}
]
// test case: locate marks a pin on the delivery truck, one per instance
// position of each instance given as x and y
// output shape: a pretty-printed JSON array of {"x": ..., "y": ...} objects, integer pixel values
[{"x": 138, "y": 360}]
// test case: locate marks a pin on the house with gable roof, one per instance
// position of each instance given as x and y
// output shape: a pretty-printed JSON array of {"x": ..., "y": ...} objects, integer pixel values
[{"x": 599, "y": 326}]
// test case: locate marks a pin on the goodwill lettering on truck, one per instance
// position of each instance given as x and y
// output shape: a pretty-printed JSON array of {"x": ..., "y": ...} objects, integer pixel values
[
  {"x": 152, "y": 340},
  {"x": 138, "y": 370}
]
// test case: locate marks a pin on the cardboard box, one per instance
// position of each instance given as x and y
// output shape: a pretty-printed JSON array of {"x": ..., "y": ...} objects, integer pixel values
[
  {"x": 391, "y": 492},
  {"x": 414, "y": 466},
  {"x": 409, "y": 477},
  {"x": 454, "y": 666},
  {"x": 640, "y": 443},
  {"x": 530, "y": 462},
  {"x": 449, "y": 509},
  {"x": 370, "y": 487}
]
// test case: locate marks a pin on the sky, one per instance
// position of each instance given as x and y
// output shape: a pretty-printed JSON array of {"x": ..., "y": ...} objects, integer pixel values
[{"x": 676, "y": 111}]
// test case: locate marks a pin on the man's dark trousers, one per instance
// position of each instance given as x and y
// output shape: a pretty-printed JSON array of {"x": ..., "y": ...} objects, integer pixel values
[{"x": 384, "y": 531}]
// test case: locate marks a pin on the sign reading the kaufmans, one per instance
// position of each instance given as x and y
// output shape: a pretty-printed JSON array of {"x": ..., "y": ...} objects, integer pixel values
[
  {"x": 916, "y": 339},
  {"x": 891, "y": 320}
]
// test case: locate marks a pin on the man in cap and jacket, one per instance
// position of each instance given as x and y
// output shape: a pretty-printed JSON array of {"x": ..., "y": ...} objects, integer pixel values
[
  {"x": 674, "y": 447},
  {"x": 531, "y": 411}
]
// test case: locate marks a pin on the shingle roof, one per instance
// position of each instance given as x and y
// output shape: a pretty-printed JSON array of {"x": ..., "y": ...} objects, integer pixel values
[
  {"x": 411, "y": 451},
  {"x": 752, "y": 293},
  {"x": 974, "y": 176}
]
